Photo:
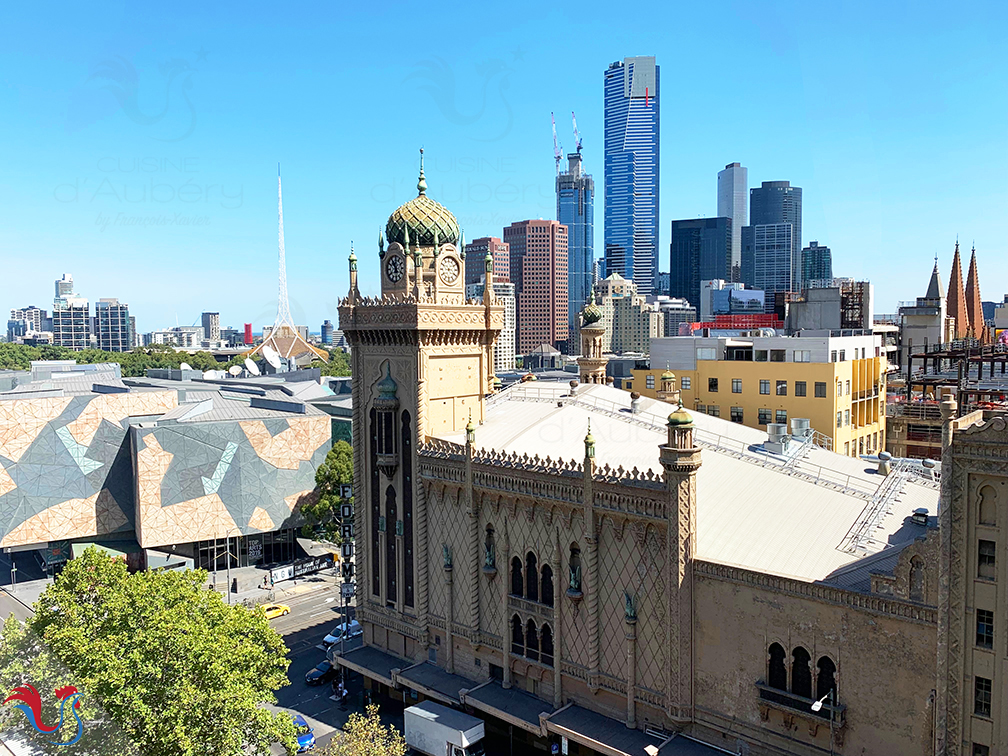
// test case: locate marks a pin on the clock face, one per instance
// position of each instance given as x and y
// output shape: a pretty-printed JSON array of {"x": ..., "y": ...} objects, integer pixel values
[
  {"x": 449, "y": 270},
  {"x": 395, "y": 268}
]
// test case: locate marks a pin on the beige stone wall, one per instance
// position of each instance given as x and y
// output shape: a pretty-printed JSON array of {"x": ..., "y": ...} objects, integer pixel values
[{"x": 885, "y": 663}]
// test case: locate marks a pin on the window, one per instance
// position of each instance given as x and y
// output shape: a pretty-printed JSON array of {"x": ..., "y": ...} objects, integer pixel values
[
  {"x": 736, "y": 385},
  {"x": 649, "y": 381},
  {"x": 847, "y": 392},
  {"x": 800, "y": 388},
  {"x": 714, "y": 410},
  {"x": 777, "y": 355},
  {"x": 820, "y": 389},
  {"x": 516, "y": 577},
  {"x": 736, "y": 414},
  {"x": 781, "y": 416},
  {"x": 546, "y": 645},
  {"x": 531, "y": 577},
  {"x": 712, "y": 385},
  {"x": 702, "y": 409},
  {"x": 761, "y": 355},
  {"x": 764, "y": 387},
  {"x": 686, "y": 383},
  {"x": 982, "y": 697},
  {"x": 826, "y": 679},
  {"x": 981, "y": 750},
  {"x": 846, "y": 447},
  {"x": 517, "y": 637},
  {"x": 777, "y": 672},
  {"x": 846, "y": 418},
  {"x": 801, "y": 673},
  {"x": 781, "y": 388},
  {"x": 985, "y": 560},
  {"x": 386, "y": 432},
  {"x": 839, "y": 388},
  {"x": 802, "y": 355},
  {"x": 546, "y": 594},
  {"x": 985, "y": 628},
  {"x": 843, "y": 356},
  {"x": 531, "y": 641},
  {"x": 706, "y": 353},
  {"x": 833, "y": 356},
  {"x": 839, "y": 419},
  {"x": 764, "y": 416}
]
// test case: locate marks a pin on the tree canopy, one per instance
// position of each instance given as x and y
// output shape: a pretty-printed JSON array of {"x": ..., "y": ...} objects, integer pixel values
[
  {"x": 176, "y": 670},
  {"x": 133, "y": 364},
  {"x": 365, "y": 735},
  {"x": 337, "y": 365},
  {"x": 323, "y": 514}
]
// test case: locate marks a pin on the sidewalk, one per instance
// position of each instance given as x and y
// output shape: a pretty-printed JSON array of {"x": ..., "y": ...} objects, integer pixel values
[{"x": 284, "y": 590}]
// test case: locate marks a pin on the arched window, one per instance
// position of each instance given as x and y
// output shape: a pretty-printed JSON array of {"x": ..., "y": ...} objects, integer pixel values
[
  {"x": 988, "y": 507},
  {"x": 546, "y": 592},
  {"x": 826, "y": 679},
  {"x": 574, "y": 568},
  {"x": 517, "y": 638},
  {"x": 801, "y": 673},
  {"x": 546, "y": 645},
  {"x": 531, "y": 641},
  {"x": 917, "y": 583},
  {"x": 516, "y": 577},
  {"x": 531, "y": 577},
  {"x": 777, "y": 675}
]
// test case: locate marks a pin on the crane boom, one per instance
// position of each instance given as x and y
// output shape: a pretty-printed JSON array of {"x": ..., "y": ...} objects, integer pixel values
[
  {"x": 577, "y": 134},
  {"x": 557, "y": 152}
]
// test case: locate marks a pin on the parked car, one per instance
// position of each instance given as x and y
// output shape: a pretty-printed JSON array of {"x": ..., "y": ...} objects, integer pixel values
[
  {"x": 336, "y": 635},
  {"x": 323, "y": 673},
  {"x": 276, "y": 610},
  {"x": 305, "y": 734}
]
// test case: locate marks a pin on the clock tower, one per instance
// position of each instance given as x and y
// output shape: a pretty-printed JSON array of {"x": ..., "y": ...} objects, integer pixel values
[{"x": 422, "y": 364}]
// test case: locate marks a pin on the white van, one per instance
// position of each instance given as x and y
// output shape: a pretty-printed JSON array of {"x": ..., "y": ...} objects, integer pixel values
[{"x": 337, "y": 634}]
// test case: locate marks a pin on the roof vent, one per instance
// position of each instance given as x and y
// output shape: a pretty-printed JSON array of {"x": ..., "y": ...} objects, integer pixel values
[
  {"x": 777, "y": 438},
  {"x": 884, "y": 466},
  {"x": 634, "y": 402},
  {"x": 920, "y": 516},
  {"x": 801, "y": 427}
]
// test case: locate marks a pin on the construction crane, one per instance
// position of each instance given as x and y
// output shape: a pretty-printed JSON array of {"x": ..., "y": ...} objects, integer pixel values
[
  {"x": 577, "y": 134},
  {"x": 557, "y": 151}
]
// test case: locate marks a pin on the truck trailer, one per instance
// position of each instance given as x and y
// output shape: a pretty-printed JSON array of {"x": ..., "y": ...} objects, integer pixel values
[{"x": 436, "y": 730}]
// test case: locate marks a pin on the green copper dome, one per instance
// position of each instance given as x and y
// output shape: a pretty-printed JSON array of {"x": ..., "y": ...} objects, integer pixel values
[
  {"x": 421, "y": 218},
  {"x": 592, "y": 313},
  {"x": 680, "y": 417}
]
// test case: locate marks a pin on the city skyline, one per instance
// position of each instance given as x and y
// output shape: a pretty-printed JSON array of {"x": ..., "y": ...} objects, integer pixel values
[{"x": 83, "y": 153}]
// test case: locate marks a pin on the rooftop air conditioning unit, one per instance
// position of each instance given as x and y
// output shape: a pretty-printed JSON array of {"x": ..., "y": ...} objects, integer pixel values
[
  {"x": 778, "y": 439},
  {"x": 801, "y": 427}
]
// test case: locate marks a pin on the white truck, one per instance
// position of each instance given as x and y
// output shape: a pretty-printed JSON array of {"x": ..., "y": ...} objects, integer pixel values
[{"x": 436, "y": 730}]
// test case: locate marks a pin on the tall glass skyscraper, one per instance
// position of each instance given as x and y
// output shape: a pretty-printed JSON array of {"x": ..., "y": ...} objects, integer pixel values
[
  {"x": 632, "y": 100},
  {"x": 576, "y": 209},
  {"x": 732, "y": 202},
  {"x": 778, "y": 202}
]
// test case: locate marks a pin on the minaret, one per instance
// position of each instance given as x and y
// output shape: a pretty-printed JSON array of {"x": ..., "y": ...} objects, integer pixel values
[
  {"x": 592, "y": 363},
  {"x": 957, "y": 298},
  {"x": 974, "y": 308}
]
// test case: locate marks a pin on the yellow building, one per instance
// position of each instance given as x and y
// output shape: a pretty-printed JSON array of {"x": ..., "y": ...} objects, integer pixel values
[{"x": 774, "y": 379}]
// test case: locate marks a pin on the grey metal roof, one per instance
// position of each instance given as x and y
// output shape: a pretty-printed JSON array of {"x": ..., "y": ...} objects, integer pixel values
[
  {"x": 517, "y": 703},
  {"x": 433, "y": 678}
]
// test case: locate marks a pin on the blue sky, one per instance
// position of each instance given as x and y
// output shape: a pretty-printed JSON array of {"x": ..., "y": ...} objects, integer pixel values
[{"x": 140, "y": 143}]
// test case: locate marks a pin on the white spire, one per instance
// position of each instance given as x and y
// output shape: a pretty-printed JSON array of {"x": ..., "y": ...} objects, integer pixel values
[{"x": 283, "y": 306}]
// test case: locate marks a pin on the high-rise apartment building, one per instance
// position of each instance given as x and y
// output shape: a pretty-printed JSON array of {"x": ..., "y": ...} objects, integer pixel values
[
  {"x": 113, "y": 331},
  {"x": 632, "y": 110},
  {"x": 732, "y": 202},
  {"x": 504, "y": 294},
  {"x": 71, "y": 321},
  {"x": 817, "y": 264},
  {"x": 475, "y": 259},
  {"x": 628, "y": 321},
  {"x": 575, "y": 191},
  {"x": 327, "y": 332},
  {"x": 538, "y": 252},
  {"x": 700, "y": 251},
  {"x": 768, "y": 259},
  {"x": 211, "y": 326},
  {"x": 776, "y": 202}
]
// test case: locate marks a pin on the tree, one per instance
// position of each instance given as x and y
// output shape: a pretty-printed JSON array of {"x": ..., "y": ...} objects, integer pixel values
[
  {"x": 181, "y": 672},
  {"x": 323, "y": 514},
  {"x": 364, "y": 735},
  {"x": 336, "y": 366}
]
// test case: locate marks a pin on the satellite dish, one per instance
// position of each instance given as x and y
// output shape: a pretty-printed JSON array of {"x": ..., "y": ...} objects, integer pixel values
[
  {"x": 251, "y": 366},
  {"x": 271, "y": 355},
  {"x": 185, "y": 366},
  {"x": 235, "y": 370},
  {"x": 213, "y": 375}
]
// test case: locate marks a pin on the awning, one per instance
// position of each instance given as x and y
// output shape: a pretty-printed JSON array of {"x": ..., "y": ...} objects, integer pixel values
[
  {"x": 373, "y": 663},
  {"x": 513, "y": 706},
  {"x": 602, "y": 734},
  {"x": 435, "y": 683},
  {"x": 114, "y": 548},
  {"x": 317, "y": 548}
]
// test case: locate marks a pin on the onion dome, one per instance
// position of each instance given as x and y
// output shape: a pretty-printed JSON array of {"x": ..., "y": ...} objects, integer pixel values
[
  {"x": 589, "y": 442},
  {"x": 680, "y": 418},
  {"x": 421, "y": 221},
  {"x": 592, "y": 313},
  {"x": 668, "y": 375},
  {"x": 497, "y": 382}
]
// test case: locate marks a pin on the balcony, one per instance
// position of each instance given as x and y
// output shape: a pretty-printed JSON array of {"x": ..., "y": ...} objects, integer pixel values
[{"x": 793, "y": 706}]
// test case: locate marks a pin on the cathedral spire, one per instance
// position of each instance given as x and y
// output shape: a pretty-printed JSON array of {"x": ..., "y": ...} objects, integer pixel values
[
  {"x": 974, "y": 307},
  {"x": 957, "y": 297}
]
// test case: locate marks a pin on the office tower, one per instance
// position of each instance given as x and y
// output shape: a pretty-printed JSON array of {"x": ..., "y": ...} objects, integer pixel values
[
  {"x": 778, "y": 202},
  {"x": 817, "y": 264},
  {"x": 248, "y": 333},
  {"x": 768, "y": 259},
  {"x": 538, "y": 265},
  {"x": 112, "y": 326},
  {"x": 71, "y": 316},
  {"x": 327, "y": 332},
  {"x": 475, "y": 259},
  {"x": 504, "y": 294},
  {"x": 632, "y": 100},
  {"x": 211, "y": 326},
  {"x": 575, "y": 192},
  {"x": 732, "y": 202},
  {"x": 700, "y": 251},
  {"x": 662, "y": 284}
]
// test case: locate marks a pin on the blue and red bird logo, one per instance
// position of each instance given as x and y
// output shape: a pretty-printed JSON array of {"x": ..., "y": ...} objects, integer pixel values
[{"x": 31, "y": 705}]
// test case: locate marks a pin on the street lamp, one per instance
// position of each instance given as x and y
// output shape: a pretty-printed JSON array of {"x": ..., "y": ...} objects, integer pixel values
[
  {"x": 227, "y": 547},
  {"x": 817, "y": 706}
]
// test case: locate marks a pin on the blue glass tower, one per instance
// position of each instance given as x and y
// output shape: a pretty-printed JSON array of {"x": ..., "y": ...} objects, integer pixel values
[
  {"x": 575, "y": 191},
  {"x": 632, "y": 100}
]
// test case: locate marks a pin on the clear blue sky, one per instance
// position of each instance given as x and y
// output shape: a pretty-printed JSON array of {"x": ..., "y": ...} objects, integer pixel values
[{"x": 892, "y": 117}]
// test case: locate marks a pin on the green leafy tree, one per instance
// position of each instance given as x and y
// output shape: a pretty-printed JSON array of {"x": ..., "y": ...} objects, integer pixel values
[
  {"x": 365, "y": 735},
  {"x": 181, "y": 672},
  {"x": 323, "y": 514},
  {"x": 336, "y": 366}
]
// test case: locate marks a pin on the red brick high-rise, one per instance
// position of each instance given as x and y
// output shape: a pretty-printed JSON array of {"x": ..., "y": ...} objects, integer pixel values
[
  {"x": 538, "y": 250},
  {"x": 475, "y": 262}
]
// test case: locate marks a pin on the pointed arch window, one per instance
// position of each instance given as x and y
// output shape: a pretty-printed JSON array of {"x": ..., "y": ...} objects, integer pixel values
[
  {"x": 516, "y": 577},
  {"x": 546, "y": 585},
  {"x": 531, "y": 641},
  {"x": 801, "y": 673},
  {"x": 826, "y": 678},
  {"x": 531, "y": 577},
  {"x": 777, "y": 671},
  {"x": 517, "y": 636},
  {"x": 546, "y": 645}
]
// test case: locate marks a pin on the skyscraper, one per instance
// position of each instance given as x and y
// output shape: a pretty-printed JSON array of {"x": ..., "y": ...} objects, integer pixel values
[
  {"x": 538, "y": 251},
  {"x": 778, "y": 202},
  {"x": 113, "y": 331},
  {"x": 327, "y": 332},
  {"x": 700, "y": 250},
  {"x": 211, "y": 326},
  {"x": 732, "y": 188},
  {"x": 632, "y": 100},
  {"x": 768, "y": 258},
  {"x": 504, "y": 295},
  {"x": 575, "y": 192},
  {"x": 817, "y": 263},
  {"x": 475, "y": 259},
  {"x": 71, "y": 321}
]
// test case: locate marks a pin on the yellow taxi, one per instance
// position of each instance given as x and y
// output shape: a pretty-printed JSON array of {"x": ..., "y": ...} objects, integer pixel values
[{"x": 276, "y": 610}]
